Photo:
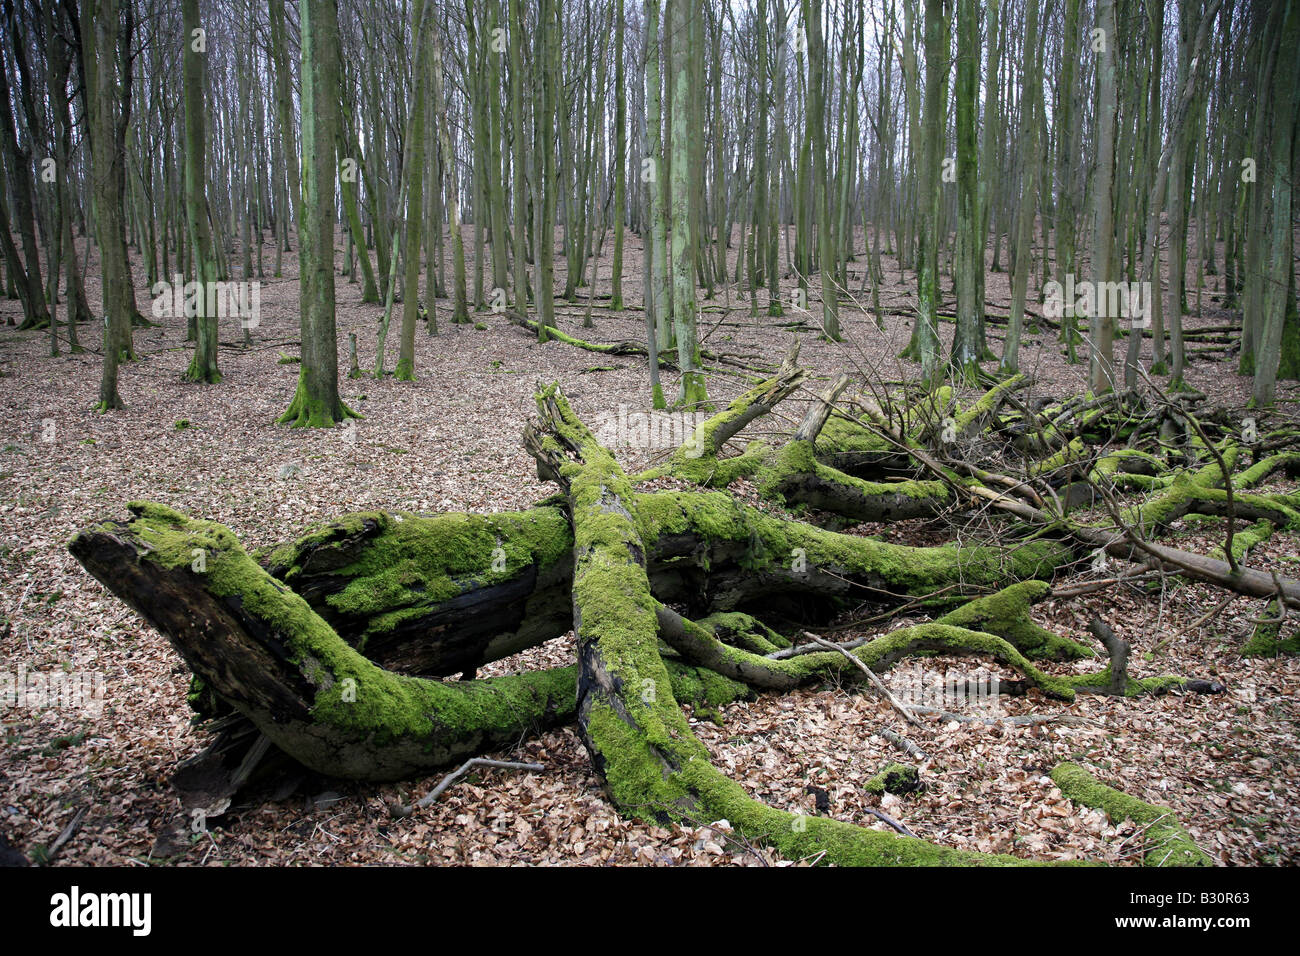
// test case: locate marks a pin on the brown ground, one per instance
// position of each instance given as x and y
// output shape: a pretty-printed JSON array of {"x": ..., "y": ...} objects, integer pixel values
[{"x": 1226, "y": 764}]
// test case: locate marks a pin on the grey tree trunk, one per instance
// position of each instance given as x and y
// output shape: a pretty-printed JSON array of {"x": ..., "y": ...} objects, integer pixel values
[{"x": 316, "y": 403}]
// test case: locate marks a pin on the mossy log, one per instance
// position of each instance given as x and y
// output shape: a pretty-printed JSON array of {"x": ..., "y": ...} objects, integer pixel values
[
  {"x": 263, "y": 650},
  {"x": 445, "y": 594},
  {"x": 435, "y": 595},
  {"x": 797, "y": 473},
  {"x": 653, "y": 764},
  {"x": 626, "y": 347},
  {"x": 332, "y": 645}
]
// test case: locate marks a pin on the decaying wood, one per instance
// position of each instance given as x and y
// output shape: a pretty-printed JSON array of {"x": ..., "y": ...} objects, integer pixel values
[{"x": 330, "y": 645}]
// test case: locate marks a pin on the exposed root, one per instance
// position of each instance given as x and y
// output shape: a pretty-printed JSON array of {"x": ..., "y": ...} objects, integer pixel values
[{"x": 1166, "y": 841}]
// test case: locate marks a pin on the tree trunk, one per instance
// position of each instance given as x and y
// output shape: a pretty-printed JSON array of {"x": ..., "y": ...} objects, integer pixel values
[
  {"x": 203, "y": 368},
  {"x": 692, "y": 391},
  {"x": 1101, "y": 327},
  {"x": 966, "y": 345},
  {"x": 316, "y": 403}
]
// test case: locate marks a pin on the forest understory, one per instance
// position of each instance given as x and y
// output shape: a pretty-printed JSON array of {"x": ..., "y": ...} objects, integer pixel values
[{"x": 97, "y": 788}]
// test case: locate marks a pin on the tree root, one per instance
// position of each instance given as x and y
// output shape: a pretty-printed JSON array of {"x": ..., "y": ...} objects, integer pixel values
[{"x": 1166, "y": 841}]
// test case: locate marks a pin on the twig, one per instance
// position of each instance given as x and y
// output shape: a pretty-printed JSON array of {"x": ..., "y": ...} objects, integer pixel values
[
  {"x": 886, "y": 818},
  {"x": 875, "y": 681},
  {"x": 1281, "y": 607},
  {"x": 447, "y": 781},
  {"x": 903, "y": 744},
  {"x": 65, "y": 835},
  {"x": 1016, "y": 720},
  {"x": 1104, "y": 583},
  {"x": 1208, "y": 615}
]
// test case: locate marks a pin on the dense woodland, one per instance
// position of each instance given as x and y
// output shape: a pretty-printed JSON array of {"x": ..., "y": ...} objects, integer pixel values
[{"x": 967, "y": 308}]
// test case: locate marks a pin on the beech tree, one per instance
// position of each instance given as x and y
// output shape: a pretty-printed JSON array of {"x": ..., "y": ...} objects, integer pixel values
[
  {"x": 105, "y": 51},
  {"x": 204, "y": 366},
  {"x": 316, "y": 403}
]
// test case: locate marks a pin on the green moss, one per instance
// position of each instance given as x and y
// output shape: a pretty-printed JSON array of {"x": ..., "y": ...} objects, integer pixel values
[
  {"x": 1166, "y": 842},
  {"x": 1262, "y": 469},
  {"x": 1243, "y": 539},
  {"x": 705, "y": 690},
  {"x": 926, "y": 415},
  {"x": 1006, "y": 614},
  {"x": 891, "y": 647},
  {"x": 744, "y": 631},
  {"x": 371, "y": 707},
  {"x": 798, "y": 458},
  {"x": 304, "y": 411},
  {"x": 799, "y": 837},
  {"x": 840, "y": 434},
  {"x": 767, "y": 543},
  {"x": 893, "y": 778},
  {"x": 654, "y": 767},
  {"x": 1187, "y": 492},
  {"x": 985, "y": 406},
  {"x": 410, "y": 563},
  {"x": 203, "y": 700},
  {"x": 1134, "y": 687},
  {"x": 1266, "y": 639},
  {"x": 1073, "y": 452}
]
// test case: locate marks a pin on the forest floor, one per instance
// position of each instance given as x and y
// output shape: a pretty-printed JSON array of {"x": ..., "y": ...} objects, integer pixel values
[{"x": 1228, "y": 765}]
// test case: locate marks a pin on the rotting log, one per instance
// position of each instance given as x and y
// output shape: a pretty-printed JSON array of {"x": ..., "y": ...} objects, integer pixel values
[
  {"x": 261, "y": 648},
  {"x": 326, "y": 644}
]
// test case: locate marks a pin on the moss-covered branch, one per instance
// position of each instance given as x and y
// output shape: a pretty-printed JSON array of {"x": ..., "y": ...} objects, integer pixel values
[
  {"x": 1166, "y": 842},
  {"x": 654, "y": 766},
  {"x": 435, "y": 595}
]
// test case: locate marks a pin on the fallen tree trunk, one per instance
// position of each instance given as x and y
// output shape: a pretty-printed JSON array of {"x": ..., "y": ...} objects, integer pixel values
[
  {"x": 446, "y": 594},
  {"x": 263, "y": 650},
  {"x": 626, "y": 347},
  {"x": 327, "y": 644}
]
